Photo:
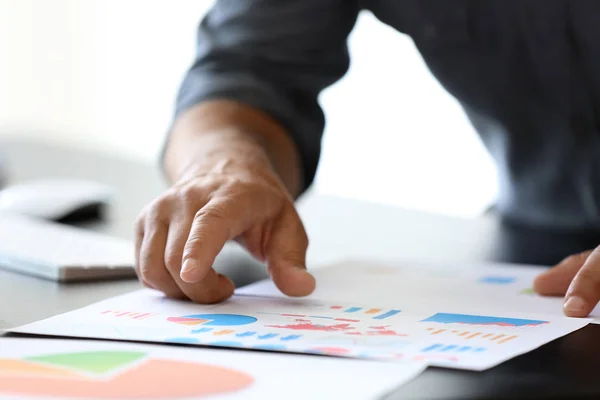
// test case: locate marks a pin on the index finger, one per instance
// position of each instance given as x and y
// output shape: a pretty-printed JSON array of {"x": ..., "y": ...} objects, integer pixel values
[
  {"x": 213, "y": 287},
  {"x": 213, "y": 225},
  {"x": 584, "y": 292}
]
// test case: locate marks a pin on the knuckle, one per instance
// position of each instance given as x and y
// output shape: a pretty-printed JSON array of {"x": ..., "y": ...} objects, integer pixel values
[
  {"x": 243, "y": 186},
  {"x": 158, "y": 208},
  {"x": 173, "y": 260},
  {"x": 150, "y": 272},
  {"x": 149, "y": 275},
  {"x": 189, "y": 194},
  {"x": 213, "y": 213},
  {"x": 251, "y": 190}
]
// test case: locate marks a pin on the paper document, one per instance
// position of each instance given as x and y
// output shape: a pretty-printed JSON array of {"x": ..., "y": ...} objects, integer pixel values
[
  {"x": 440, "y": 335},
  {"x": 62, "y": 369},
  {"x": 469, "y": 287}
]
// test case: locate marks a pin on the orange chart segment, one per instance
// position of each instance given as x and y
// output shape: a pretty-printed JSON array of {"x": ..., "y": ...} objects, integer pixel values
[
  {"x": 9, "y": 367},
  {"x": 142, "y": 381}
]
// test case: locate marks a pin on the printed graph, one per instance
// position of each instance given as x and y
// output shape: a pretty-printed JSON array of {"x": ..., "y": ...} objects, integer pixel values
[
  {"x": 300, "y": 324},
  {"x": 452, "y": 348},
  {"x": 308, "y": 325},
  {"x": 209, "y": 332},
  {"x": 374, "y": 313},
  {"x": 350, "y": 314},
  {"x": 115, "y": 375},
  {"x": 383, "y": 330},
  {"x": 469, "y": 335},
  {"x": 310, "y": 316},
  {"x": 213, "y": 319},
  {"x": 465, "y": 319},
  {"x": 498, "y": 280},
  {"x": 128, "y": 314}
]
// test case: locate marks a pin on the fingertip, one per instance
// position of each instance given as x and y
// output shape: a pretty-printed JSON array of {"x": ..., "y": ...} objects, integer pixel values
[
  {"x": 227, "y": 287},
  {"x": 294, "y": 281},
  {"x": 540, "y": 283},
  {"x": 576, "y": 306},
  {"x": 555, "y": 281},
  {"x": 222, "y": 289}
]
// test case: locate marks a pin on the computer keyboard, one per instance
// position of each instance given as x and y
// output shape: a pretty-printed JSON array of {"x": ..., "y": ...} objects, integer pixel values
[{"x": 60, "y": 252}]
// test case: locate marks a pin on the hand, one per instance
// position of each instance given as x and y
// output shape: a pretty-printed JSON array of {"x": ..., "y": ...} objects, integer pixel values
[
  {"x": 577, "y": 278},
  {"x": 181, "y": 232}
]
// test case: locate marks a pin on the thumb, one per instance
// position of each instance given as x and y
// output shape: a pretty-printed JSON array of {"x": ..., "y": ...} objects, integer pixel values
[
  {"x": 286, "y": 255},
  {"x": 584, "y": 292},
  {"x": 556, "y": 281}
]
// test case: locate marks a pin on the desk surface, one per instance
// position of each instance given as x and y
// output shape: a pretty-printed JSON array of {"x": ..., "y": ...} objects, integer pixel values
[{"x": 338, "y": 229}]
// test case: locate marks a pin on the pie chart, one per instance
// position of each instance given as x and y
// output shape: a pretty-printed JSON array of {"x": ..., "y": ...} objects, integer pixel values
[{"x": 115, "y": 375}]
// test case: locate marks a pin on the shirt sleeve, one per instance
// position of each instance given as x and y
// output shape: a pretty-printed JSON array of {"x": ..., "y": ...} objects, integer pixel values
[{"x": 276, "y": 56}]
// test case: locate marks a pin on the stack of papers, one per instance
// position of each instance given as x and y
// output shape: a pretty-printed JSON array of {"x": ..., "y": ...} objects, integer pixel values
[{"x": 389, "y": 320}]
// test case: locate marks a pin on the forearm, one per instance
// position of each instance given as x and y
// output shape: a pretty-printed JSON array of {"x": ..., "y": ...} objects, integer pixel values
[{"x": 219, "y": 131}]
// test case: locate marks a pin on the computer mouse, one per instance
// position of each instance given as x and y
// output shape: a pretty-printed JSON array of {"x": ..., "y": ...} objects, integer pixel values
[{"x": 56, "y": 199}]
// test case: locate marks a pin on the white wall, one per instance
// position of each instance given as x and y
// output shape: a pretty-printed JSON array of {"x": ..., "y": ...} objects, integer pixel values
[
  {"x": 104, "y": 73},
  {"x": 98, "y": 73}
]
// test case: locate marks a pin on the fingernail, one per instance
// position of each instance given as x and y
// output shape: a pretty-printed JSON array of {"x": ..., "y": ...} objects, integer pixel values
[
  {"x": 574, "y": 304},
  {"x": 188, "y": 265}
]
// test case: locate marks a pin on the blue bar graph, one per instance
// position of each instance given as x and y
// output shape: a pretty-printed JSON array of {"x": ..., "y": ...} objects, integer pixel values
[
  {"x": 201, "y": 330},
  {"x": 444, "y": 318},
  {"x": 245, "y": 334},
  {"x": 387, "y": 314},
  {"x": 433, "y": 347},
  {"x": 451, "y": 348},
  {"x": 291, "y": 337},
  {"x": 498, "y": 280},
  {"x": 268, "y": 336},
  {"x": 353, "y": 309}
]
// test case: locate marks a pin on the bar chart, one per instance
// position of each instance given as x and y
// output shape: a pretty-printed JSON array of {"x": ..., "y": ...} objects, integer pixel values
[{"x": 469, "y": 335}]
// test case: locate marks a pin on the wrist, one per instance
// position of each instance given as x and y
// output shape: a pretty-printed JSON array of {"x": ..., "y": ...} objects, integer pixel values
[
  {"x": 221, "y": 152},
  {"x": 224, "y": 133}
]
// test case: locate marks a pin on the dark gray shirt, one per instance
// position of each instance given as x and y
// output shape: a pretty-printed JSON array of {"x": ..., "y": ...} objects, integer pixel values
[{"x": 527, "y": 73}]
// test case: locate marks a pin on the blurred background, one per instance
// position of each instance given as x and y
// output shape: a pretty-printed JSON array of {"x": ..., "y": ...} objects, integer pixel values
[{"x": 103, "y": 74}]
